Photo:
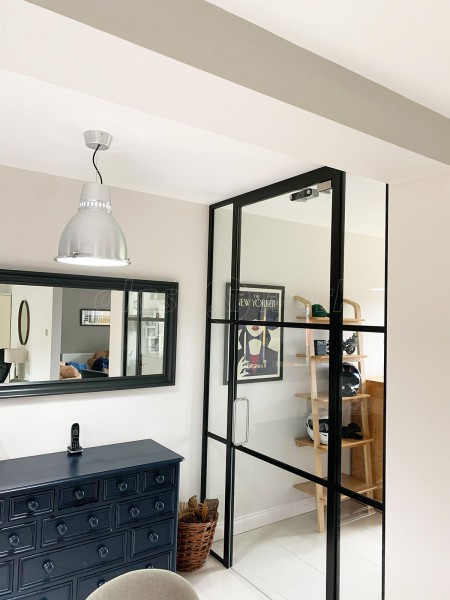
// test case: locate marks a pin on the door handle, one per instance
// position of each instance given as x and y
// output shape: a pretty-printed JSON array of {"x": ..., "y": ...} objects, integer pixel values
[{"x": 247, "y": 420}]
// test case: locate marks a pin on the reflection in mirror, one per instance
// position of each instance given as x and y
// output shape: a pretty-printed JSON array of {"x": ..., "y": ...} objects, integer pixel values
[
  {"x": 24, "y": 322},
  {"x": 145, "y": 333},
  {"x": 94, "y": 332}
]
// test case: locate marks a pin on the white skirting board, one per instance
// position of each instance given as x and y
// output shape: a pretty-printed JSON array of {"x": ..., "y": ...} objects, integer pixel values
[{"x": 268, "y": 516}]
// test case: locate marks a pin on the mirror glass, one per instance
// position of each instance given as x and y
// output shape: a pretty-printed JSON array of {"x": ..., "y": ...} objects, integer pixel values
[{"x": 88, "y": 333}]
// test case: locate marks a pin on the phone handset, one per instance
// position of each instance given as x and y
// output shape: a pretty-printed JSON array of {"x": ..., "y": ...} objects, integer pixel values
[{"x": 75, "y": 447}]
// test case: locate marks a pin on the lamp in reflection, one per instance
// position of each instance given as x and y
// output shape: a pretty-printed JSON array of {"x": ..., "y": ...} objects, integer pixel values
[
  {"x": 93, "y": 237},
  {"x": 15, "y": 356}
]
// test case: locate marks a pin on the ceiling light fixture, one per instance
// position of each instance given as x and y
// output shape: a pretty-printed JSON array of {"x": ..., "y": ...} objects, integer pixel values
[{"x": 93, "y": 237}]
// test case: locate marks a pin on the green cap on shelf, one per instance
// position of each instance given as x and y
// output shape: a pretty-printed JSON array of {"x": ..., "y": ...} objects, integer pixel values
[{"x": 319, "y": 311}]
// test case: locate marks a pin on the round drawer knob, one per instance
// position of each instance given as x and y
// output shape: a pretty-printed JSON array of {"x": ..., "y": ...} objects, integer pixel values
[
  {"x": 79, "y": 494},
  {"x": 61, "y": 529},
  {"x": 122, "y": 486},
  {"x": 159, "y": 505},
  {"x": 103, "y": 551},
  {"x": 160, "y": 479},
  {"x": 93, "y": 522},
  {"x": 32, "y": 505},
  {"x": 153, "y": 537},
  {"x": 134, "y": 512},
  {"x": 101, "y": 582},
  {"x": 48, "y": 567},
  {"x": 14, "y": 540}
]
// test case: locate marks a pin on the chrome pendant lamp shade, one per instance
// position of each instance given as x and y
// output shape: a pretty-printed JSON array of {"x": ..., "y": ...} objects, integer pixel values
[{"x": 93, "y": 237}]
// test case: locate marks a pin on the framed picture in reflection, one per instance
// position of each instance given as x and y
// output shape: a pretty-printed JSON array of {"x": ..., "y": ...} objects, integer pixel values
[{"x": 259, "y": 347}]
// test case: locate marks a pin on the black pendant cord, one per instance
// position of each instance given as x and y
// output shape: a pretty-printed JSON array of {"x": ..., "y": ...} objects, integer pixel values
[{"x": 95, "y": 166}]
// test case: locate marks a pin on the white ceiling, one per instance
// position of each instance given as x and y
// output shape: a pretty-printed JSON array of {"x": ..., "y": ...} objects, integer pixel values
[
  {"x": 178, "y": 132},
  {"x": 403, "y": 45},
  {"x": 148, "y": 152}
]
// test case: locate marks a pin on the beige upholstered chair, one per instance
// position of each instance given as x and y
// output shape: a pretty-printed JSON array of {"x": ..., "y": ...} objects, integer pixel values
[{"x": 146, "y": 584}]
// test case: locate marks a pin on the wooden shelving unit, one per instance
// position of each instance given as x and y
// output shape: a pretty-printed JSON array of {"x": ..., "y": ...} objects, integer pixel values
[{"x": 364, "y": 483}]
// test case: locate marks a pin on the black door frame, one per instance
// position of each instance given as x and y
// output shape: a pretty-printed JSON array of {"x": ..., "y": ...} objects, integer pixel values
[{"x": 336, "y": 329}]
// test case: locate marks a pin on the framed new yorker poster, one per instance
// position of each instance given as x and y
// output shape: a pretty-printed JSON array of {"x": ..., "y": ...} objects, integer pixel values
[{"x": 260, "y": 349}]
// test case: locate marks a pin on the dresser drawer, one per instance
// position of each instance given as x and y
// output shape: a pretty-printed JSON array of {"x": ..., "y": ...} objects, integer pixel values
[
  {"x": 145, "y": 508},
  {"x": 159, "y": 478},
  {"x": 59, "y": 563},
  {"x": 87, "y": 585},
  {"x": 78, "y": 494},
  {"x": 150, "y": 537},
  {"x": 30, "y": 505},
  {"x": 17, "y": 539},
  {"x": 120, "y": 486},
  {"x": 66, "y": 527},
  {"x": 63, "y": 592},
  {"x": 6, "y": 577}
]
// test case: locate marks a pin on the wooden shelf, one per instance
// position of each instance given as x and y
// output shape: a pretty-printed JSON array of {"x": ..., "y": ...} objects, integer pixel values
[
  {"x": 323, "y": 398},
  {"x": 326, "y": 357},
  {"x": 326, "y": 320},
  {"x": 346, "y": 443},
  {"x": 356, "y": 485}
]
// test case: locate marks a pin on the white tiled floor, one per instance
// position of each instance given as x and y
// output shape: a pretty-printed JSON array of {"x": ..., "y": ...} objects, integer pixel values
[{"x": 286, "y": 561}]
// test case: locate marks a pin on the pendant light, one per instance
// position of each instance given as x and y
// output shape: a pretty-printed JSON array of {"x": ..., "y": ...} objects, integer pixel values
[{"x": 93, "y": 237}]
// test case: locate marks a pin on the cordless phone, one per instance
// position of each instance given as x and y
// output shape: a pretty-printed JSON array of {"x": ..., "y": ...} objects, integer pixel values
[{"x": 75, "y": 447}]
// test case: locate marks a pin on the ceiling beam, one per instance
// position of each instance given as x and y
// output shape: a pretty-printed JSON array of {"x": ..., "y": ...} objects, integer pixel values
[{"x": 206, "y": 37}]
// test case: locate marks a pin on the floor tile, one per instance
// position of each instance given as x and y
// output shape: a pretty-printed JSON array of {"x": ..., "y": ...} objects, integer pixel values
[
  {"x": 286, "y": 561},
  {"x": 214, "y": 582}
]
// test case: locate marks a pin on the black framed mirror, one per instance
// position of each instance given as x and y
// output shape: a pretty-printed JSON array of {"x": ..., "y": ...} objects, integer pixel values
[
  {"x": 135, "y": 346},
  {"x": 23, "y": 325}
]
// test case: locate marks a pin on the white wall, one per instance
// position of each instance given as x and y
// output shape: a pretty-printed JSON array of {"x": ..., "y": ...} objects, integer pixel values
[
  {"x": 418, "y": 407},
  {"x": 167, "y": 240},
  {"x": 38, "y": 361},
  {"x": 78, "y": 338}
]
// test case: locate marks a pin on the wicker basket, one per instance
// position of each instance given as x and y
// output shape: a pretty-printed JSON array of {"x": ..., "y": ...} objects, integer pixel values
[{"x": 194, "y": 543}]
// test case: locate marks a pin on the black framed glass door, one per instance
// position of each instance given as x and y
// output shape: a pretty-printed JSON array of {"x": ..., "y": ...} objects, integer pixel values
[{"x": 283, "y": 349}]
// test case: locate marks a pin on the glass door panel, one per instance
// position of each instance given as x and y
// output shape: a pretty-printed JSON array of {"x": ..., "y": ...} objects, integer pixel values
[
  {"x": 361, "y": 543},
  {"x": 287, "y": 243},
  {"x": 221, "y": 261},
  {"x": 363, "y": 413},
  {"x": 276, "y": 545},
  {"x": 215, "y": 488},
  {"x": 218, "y": 388},
  {"x": 365, "y": 239},
  {"x": 280, "y": 410}
]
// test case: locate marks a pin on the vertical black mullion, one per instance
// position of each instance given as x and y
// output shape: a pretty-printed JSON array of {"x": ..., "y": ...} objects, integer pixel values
[
  {"x": 138, "y": 336},
  {"x": 125, "y": 333},
  {"x": 386, "y": 244},
  {"x": 207, "y": 354},
  {"x": 335, "y": 403},
  {"x": 232, "y": 387}
]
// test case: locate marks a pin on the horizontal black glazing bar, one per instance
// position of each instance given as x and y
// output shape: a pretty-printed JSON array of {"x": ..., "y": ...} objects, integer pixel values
[
  {"x": 361, "y": 498},
  {"x": 365, "y": 328},
  {"x": 282, "y": 187},
  {"x": 282, "y": 465},
  {"x": 291, "y": 324},
  {"x": 218, "y": 438}
]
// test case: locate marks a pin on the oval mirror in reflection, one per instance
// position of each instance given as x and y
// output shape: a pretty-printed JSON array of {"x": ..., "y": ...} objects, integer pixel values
[{"x": 24, "y": 322}]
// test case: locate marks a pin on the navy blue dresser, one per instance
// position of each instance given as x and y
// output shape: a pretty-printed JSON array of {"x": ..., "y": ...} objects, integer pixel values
[{"x": 69, "y": 523}]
